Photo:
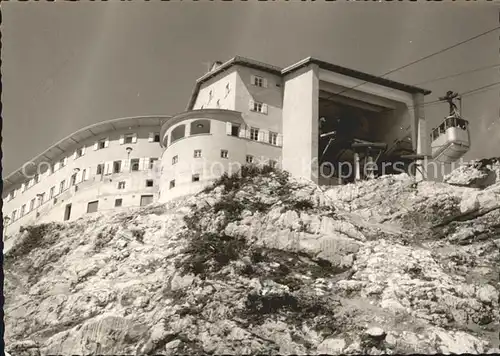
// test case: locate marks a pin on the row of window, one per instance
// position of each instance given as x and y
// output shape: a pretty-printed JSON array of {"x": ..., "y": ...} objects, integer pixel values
[
  {"x": 254, "y": 133},
  {"x": 119, "y": 166},
  {"x": 75, "y": 179},
  {"x": 204, "y": 127},
  {"x": 79, "y": 152},
  {"x": 223, "y": 154},
  {"x": 149, "y": 184},
  {"x": 93, "y": 206}
]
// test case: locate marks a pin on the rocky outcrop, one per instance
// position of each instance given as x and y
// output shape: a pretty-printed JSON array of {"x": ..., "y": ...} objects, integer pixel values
[
  {"x": 265, "y": 264},
  {"x": 476, "y": 174}
]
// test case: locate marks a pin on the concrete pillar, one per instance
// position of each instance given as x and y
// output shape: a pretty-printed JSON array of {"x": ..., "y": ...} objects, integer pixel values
[
  {"x": 357, "y": 171},
  {"x": 301, "y": 124}
]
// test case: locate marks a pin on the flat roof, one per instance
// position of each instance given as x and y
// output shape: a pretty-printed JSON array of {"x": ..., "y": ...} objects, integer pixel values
[
  {"x": 83, "y": 134},
  {"x": 369, "y": 78},
  {"x": 247, "y": 62}
]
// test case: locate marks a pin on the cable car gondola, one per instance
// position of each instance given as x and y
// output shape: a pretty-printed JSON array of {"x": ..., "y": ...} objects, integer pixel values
[{"x": 451, "y": 139}]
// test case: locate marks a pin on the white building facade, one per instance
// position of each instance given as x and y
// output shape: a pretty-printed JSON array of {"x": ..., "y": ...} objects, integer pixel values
[
  {"x": 241, "y": 111},
  {"x": 110, "y": 165}
]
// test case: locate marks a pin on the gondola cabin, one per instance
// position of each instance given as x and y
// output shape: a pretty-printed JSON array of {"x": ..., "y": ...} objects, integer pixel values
[{"x": 450, "y": 140}]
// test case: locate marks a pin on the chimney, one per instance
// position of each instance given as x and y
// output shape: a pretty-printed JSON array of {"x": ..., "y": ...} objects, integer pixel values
[{"x": 215, "y": 65}]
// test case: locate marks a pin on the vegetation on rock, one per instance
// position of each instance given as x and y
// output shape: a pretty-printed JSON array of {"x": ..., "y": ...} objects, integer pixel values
[{"x": 262, "y": 263}]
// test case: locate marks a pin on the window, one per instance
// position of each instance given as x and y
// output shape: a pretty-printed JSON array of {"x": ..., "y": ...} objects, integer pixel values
[
  {"x": 258, "y": 81},
  {"x": 175, "y": 159},
  {"x": 249, "y": 159},
  {"x": 51, "y": 192},
  {"x": 224, "y": 153},
  {"x": 273, "y": 163},
  {"x": 92, "y": 206},
  {"x": 100, "y": 168},
  {"x": 200, "y": 127},
  {"x": 195, "y": 178},
  {"x": 228, "y": 89},
  {"x": 62, "y": 162},
  {"x": 235, "y": 130},
  {"x": 146, "y": 199},
  {"x": 41, "y": 198},
  {"x": 210, "y": 95},
  {"x": 23, "y": 210},
  {"x": 257, "y": 106},
  {"x": 79, "y": 152},
  {"x": 101, "y": 144},
  {"x": 273, "y": 138},
  {"x": 13, "y": 216},
  {"x": 73, "y": 180},
  {"x": 121, "y": 185},
  {"x": 172, "y": 184},
  {"x": 118, "y": 202},
  {"x": 218, "y": 103},
  {"x": 84, "y": 174},
  {"x": 177, "y": 133},
  {"x": 32, "y": 204},
  {"x": 157, "y": 137},
  {"x": 117, "y": 166},
  {"x": 61, "y": 187},
  {"x": 254, "y": 134},
  {"x": 149, "y": 182},
  {"x": 152, "y": 162},
  {"x": 197, "y": 153},
  {"x": 134, "y": 163},
  {"x": 67, "y": 212},
  {"x": 129, "y": 138},
  {"x": 37, "y": 178}
]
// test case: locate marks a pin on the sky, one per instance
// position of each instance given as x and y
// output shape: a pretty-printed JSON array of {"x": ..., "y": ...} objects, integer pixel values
[{"x": 66, "y": 65}]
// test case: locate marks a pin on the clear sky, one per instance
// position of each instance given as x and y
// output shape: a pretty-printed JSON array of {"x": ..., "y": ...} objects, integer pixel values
[{"x": 67, "y": 65}]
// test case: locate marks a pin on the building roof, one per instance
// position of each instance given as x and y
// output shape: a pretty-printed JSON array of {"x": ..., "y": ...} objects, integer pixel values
[
  {"x": 370, "y": 78},
  {"x": 95, "y": 130},
  {"x": 284, "y": 71}
]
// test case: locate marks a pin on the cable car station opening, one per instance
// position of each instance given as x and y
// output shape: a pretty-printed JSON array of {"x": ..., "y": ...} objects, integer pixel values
[{"x": 359, "y": 139}]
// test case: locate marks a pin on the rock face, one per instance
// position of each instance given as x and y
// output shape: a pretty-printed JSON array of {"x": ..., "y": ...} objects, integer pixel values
[
  {"x": 265, "y": 264},
  {"x": 476, "y": 174}
]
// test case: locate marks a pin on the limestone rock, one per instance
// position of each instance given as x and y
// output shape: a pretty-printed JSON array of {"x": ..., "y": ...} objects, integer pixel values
[
  {"x": 331, "y": 346},
  {"x": 413, "y": 264}
]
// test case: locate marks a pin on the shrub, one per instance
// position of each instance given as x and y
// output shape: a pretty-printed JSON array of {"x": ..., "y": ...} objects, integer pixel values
[
  {"x": 302, "y": 204},
  {"x": 234, "y": 181},
  {"x": 270, "y": 304},
  {"x": 138, "y": 235},
  {"x": 230, "y": 206},
  {"x": 36, "y": 237},
  {"x": 103, "y": 238},
  {"x": 210, "y": 252}
]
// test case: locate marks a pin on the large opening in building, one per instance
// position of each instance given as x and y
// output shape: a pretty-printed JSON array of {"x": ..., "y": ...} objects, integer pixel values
[
  {"x": 146, "y": 199},
  {"x": 200, "y": 127},
  {"x": 67, "y": 212},
  {"x": 177, "y": 133},
  {"x": 92, "y": 206},
  {"x": 360, "y": 137}
]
